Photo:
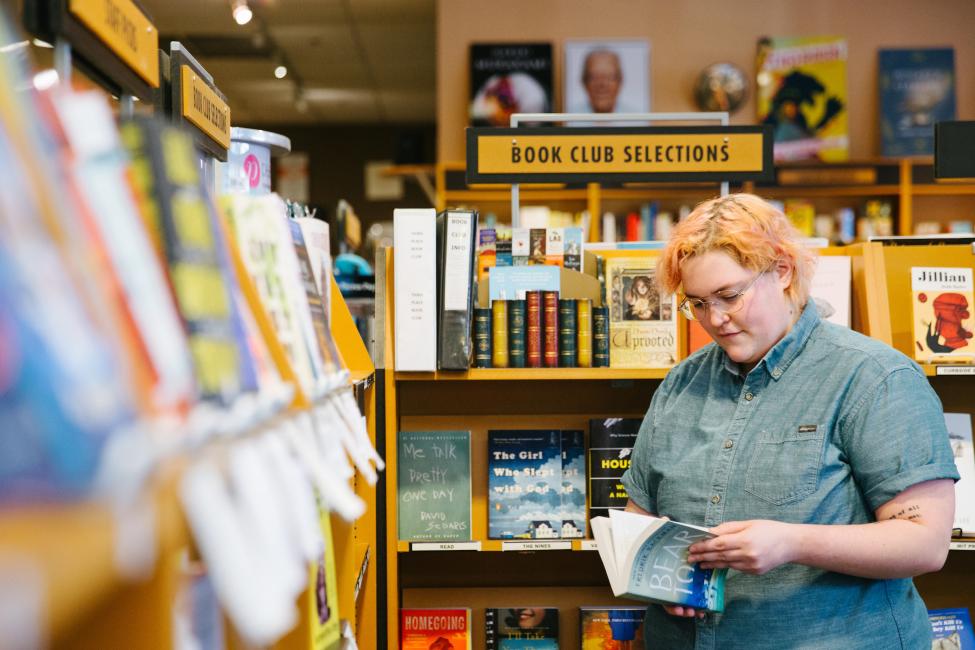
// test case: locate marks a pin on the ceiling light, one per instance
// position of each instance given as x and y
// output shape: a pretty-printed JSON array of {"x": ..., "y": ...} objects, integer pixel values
[
  {"x": 280, "y": 72},
  {"x": 242, "y": 13}
]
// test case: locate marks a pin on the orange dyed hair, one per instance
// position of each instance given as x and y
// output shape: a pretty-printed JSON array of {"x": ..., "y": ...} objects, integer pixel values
[{"x": 749, "y": 230}]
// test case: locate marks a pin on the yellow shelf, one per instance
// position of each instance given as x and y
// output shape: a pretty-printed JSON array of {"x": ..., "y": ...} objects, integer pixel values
[
  {"x": 495, "y": 545},
  {"x": 537, "y": 374},
  {"x": 942, "y": 190}
]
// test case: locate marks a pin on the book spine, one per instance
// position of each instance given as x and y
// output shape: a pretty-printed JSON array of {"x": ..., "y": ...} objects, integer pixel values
[
  {"x": 499, "y": 326},
  {"x": 533, "y": 329},
  {"x": 482, "y": 338},
  {"x": 584, "y": 333},
  {"x": 568, "y": 331},
  {"x": 490, "y": 629},
  {"x": 600, "y": 337},
  {"x": 516, "y": 333},
  {"x": 415, "y": 289},
  {"x": 550, "y": 329},
  {"x": 455, "y": 245}
]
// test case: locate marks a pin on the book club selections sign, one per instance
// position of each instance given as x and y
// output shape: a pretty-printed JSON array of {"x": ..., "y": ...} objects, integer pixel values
[{"x": 622, "y": 154}]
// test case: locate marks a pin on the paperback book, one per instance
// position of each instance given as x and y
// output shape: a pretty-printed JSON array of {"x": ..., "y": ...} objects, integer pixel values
[
  {"x": 611, "y": 442},
  {"x": 521, "y": 628},
  {"x": 646, "y": 559},
  {"x": 435, "y": 629},
  {"x": 951, "y": 629},
  {"x": 642, "y": 323},
  {"x": 943, "y": 322},
  {"x": 801, "y": 93},
  {"x": 434, "y": 485},
  {"x": 524, "y": 472},
  {"x": 611, "y": 628}
]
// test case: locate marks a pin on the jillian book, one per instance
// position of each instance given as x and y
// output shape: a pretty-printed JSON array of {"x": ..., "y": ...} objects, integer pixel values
[{"x": 646, "y": 559}]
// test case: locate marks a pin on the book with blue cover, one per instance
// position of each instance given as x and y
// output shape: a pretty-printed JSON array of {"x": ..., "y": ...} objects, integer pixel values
[
  {"x": 573, "y": 508},
  {"x": 645, "y": 558},
  {"x": 521, "y": 628},
  {"x": 951, "y": 629},
  {"x": 524, "y": 476},
  {"x": 917, "y": 89}
]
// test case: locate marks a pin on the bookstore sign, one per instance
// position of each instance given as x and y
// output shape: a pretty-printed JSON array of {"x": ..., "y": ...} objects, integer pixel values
[
  {"x": 620, "y": 154},
  {"x": 125, "y": 30},
  {"x": 203, "y": 107}
]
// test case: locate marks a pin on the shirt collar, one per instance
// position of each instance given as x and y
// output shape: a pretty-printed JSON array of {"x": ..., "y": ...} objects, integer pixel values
[{"x": 780, "y": 357}]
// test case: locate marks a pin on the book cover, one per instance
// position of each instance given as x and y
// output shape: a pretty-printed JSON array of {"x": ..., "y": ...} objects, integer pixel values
[
  {"x": 572, "y": 241},
  {"x": 537, "y": 237},
  {"x": 917, "y": 89},
  {"x": 611, "y": 442},
  {"x": 520, "y": 246},
  {"x": 554, "y": 246},
  {"x": 832, "y": 288},
  {"x": 952, "y": 629},
  {"x": 573, "y": 485},
  {"x": 584, "y": 333},
  {"x": 434, "y": 485},
  {"x": 332, "y": 362},
  {"x": 960, "y": 435},
  {"x": 455, "y": 296},
  {"x": 482, "y": 338},
  {"x": 516, "y": 333},
  {"x": 642, "y": 323},
  {"x": 600, "y": 337},
  {"x": 415, "y": 288},
  {"x": 524, "y": 472},
  {"x": 943, "y": 323},
  {"x": 521, "y": 628},
  {"x": 435, "y": 629},
  {"x": 499, "y": 333},
  {"x": 550, "y": 329},
  {"x": 645, "y": 559},
  {"x": 611, "y": 628},
  {"x": 324, "y": 605},
  {"x": 316, "y": 235},
  {"x": 502, "y": 246},
  {"x": 487, "y": 252},
  {"x": 533, "y": 329},
  {"x": 568, "y": 332},
  {"x": 509, "y": 78},
  {"x": 801, "y": 92}
]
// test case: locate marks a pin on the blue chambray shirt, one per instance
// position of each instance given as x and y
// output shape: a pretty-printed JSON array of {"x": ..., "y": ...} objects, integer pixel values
[{"x": 828, "y": 427}]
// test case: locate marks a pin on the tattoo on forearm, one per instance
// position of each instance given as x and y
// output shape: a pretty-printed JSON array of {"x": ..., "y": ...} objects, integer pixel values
[{"x": 910, "y": 513}]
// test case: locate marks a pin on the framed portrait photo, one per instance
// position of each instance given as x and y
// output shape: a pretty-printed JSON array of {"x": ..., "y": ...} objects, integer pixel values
[{"x": 607, "y": 76}]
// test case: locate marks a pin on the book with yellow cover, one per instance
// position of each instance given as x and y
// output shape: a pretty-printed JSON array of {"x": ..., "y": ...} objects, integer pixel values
[
  {"x": 642, "y": 322},
  {"x": 324, "y": 603},
  {"x": 943, "y": 323}
]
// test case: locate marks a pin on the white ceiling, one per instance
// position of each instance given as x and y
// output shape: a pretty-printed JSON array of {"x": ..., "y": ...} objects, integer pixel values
[{"x": 355, "y": 61}]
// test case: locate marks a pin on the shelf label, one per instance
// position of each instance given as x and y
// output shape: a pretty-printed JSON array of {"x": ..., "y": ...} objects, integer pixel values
[
  {"x": 125, "y": 30},
  {"x": 588, "y": 545},
  {"x": 537, "y": 546},
  {"x": 445, "y": 546},
  {"x": 204, "y": 108},
  {"x": 962, "y": 545},
  {"x": 954, "y": 370},
  {"x": 584, "y": 154}
]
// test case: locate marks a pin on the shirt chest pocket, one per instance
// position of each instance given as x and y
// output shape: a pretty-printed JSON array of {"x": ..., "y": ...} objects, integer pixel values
[{"x": 785, "y": 465}]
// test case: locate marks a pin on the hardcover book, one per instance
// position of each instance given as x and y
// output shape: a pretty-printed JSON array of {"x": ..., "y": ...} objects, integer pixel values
[
  {"x": 960, "y": 435},
  {"x": 943, "y": 323},
  {"x": 516, "y": 333},
  {"x": 434, "y": 485},
  {"x": 568, "y": 332},
  {"x": 435, "y": 629},
  {"x": 611, "y": 628},
  {"x": 611, "y": 442},
  {"x": 801, "y": 92},
  {"x": 645, "y": 559},
  {"x": 524, "y": 473},
  {"x": 600, "y": 337},
  {"x": 573, "y": 485},
  {"x": 951, "y": 629},
  {"x": 499, "y": 333},
  {"x": 509, "y": 78},
  {"x": 917, "y": 90},
  {"x": 455, "y": 290},
  {"x": 550, "y": 329},
  {"x": 584, "y": 333},
  {"x": 642, "y": 323},
  {"x": 521, "y": 628},
  {"x": 533, "y": 329},
  {"x": 482, "y": 338},
  {"x": 415, "y": 290}
]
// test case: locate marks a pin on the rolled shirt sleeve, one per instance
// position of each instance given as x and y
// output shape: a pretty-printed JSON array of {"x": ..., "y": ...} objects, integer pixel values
[{"x": 636, "y": 478}]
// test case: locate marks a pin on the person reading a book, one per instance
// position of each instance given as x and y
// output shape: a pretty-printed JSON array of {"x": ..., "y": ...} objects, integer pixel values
[{"x": 817, "y": 456}]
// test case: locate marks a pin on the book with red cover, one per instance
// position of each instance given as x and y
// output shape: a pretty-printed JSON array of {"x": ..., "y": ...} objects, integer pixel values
[
  {"x": 435, "y": 629},
  {"x": 550, "y": 329},
  {"x": 533, "y": 329}
]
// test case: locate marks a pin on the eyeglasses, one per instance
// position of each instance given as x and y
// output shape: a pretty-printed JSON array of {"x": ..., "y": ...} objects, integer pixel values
[{"x": 727, "y": 302}]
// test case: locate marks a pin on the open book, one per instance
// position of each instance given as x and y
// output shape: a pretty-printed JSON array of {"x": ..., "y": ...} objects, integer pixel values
[{"x": 646, "y": 559}]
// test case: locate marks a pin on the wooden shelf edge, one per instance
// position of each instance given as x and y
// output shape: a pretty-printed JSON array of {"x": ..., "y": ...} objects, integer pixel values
[
  {"x": 948, "y": 369},
  {"x": 534, "y": 374}
]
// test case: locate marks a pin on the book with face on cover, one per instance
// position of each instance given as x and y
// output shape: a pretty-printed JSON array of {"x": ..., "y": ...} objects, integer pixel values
[
  {"x": 642, "y": 322},
  {"x": 951, "y": 629},
  {"x": 645, "y": 558},
  {"x": 521, "y": 628},
  {"x": 943, "y": 323}
]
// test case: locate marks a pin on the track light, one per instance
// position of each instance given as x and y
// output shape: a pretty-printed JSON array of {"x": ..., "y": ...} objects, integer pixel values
[
  {"x": 280, "y": 72},
  {"x": 241, "y": 12}
]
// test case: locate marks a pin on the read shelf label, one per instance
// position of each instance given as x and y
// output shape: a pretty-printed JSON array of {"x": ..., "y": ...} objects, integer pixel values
[
  {"x": 445, "y": 546},
  {"x": 954, "y": 370}
]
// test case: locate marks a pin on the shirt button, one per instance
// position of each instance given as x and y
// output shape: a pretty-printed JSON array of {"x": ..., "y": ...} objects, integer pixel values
[
  {"x": 728, "y": 444},
  {"x": 749, "y": 397},
  {"x": 777, "y": 373},
  {"x": 716, "y": 498}
]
